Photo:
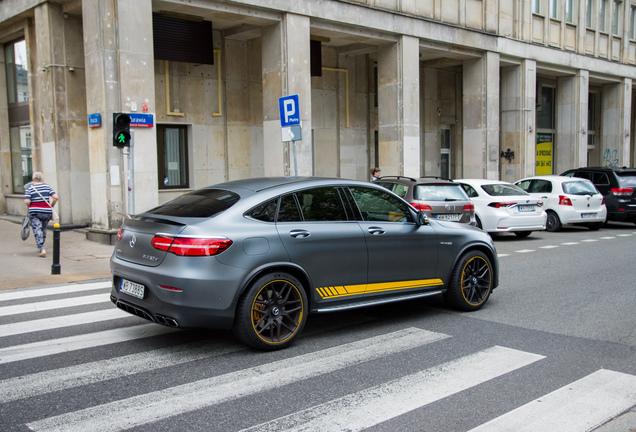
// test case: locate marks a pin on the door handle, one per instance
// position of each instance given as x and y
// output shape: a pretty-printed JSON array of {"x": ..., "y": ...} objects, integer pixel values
[
  {"x": 299, "y": 233},
  {"x": 376, "y": 230}
]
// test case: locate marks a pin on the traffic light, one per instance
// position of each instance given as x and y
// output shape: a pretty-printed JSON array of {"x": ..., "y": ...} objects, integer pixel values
[{"x": 121, "y": 130}]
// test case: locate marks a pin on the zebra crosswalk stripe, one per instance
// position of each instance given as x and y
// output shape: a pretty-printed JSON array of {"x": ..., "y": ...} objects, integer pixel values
[
  {"x": 580, "y": 406},
  {"x": 72, "y": 343},
  {"x": 162, "y": 404},
  {"x": 367, "y": 408},
  {"x": 41, "y": 292},
  {"x": 53, "y": 304}
]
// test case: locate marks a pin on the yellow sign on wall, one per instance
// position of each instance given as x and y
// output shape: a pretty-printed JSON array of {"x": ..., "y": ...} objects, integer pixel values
[{"x": 544, "y": 158}]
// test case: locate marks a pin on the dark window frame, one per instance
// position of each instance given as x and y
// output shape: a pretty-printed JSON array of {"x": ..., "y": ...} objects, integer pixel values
[{"x": 161, "y": 152}]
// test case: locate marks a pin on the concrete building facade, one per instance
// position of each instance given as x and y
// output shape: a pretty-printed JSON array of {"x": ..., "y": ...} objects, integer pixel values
[{"x": 497, "y": 89}]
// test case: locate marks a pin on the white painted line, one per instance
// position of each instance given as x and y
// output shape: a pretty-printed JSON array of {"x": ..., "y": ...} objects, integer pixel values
[
  {"x": 624, "y": 235},
  {"x": 73, "y": 343},
  {"x": 40, "y": 292},
  {"x": 502, "y": 255},
  {"x": 570, "y": 243},
  {"x": 607, "y": 238},
  {"x": 548, "y": 247},
  {"x": 89, "y": 373},
  {"x": 83, "y": 374},
  {"x": 61, "y": 322},
  {"x": 165, "y": 403},
  {"x": 525, "y": 251},
  {"x": 367, "y": 408},
  {"x": 589, "y": 240},
  {"x": 54, "y": 304},
  {"x": 581, "y": 406}
]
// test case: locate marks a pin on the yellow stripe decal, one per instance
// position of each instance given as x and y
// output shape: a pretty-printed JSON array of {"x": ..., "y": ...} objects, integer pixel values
[{"x": 349, "y": 290}]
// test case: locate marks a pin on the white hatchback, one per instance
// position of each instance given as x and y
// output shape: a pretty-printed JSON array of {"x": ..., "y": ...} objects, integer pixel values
[
  {"x": 503, "y": 207},
  {"x": 567, "y": 200}
]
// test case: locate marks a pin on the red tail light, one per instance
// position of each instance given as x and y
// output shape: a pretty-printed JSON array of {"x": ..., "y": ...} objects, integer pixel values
[
  {"x": 120, "y": 234},
  {"x": 563, "y": 200},
  {"x": 622, "y": 191},
  {"x": 422, "y": 207},
  {"x": 191, "y": 246},
  {"x": 501, "y": 204},
  {"x": 469, "y": 207}
]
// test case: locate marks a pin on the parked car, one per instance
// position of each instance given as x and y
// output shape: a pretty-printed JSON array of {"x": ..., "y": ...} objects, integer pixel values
[
  {"x": 617, "y": 186},
  {"x": 503, "y": 207},
  {"x": 259, "y": 255},
  {"x": 567, "y": 200},
  {"x": 438, "y": 198}
]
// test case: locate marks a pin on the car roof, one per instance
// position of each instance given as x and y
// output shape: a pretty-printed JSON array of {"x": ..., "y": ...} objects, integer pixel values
[
  {"x": 553, "y": 177},
  {"x": 411, "y": 180},
  {"x": 606, "y": 169},
  {"x": 481, "y": 181},
  {"x": 257, "y": 184}
]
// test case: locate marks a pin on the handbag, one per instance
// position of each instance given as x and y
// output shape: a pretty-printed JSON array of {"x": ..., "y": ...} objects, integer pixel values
[{"x": 26, "y": 228}]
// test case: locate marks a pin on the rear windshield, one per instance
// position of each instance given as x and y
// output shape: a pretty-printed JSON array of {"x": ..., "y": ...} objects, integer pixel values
[
  {"x": 579, "y": 188},
  {"x": 627, "y": 179},
  {"x": 438, "y": 192},
  {"x": 503, "y": 190},
  {"x": 201, "y": 203}
]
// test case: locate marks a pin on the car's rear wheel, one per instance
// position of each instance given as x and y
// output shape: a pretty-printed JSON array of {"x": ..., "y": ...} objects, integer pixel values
[
  {"x": 471, "y": 282},
  {"x": 522, "y": 234},
  {"x": 595, "y": 226},
  {"x": 554, "y": 223},
  {"x": 272, "y": 312}
]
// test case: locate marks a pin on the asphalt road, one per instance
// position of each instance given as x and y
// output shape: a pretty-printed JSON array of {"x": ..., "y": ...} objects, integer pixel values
[{"x": 554, "y": 347}]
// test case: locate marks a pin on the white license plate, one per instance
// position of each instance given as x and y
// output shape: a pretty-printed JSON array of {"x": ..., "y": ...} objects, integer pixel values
[
  {"x": 588, "y": 215},
  {"x": 132, "y": 288},
  {"x": 526, "y": 208},
  {"x": 449, "y": 217}
]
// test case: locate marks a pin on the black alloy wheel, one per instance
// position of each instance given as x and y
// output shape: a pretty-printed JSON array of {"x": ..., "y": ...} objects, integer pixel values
[
  {"x": 271, "y": 312},
  {"x": 553, "y": 223},
  {"x": 471, "y": 282}
]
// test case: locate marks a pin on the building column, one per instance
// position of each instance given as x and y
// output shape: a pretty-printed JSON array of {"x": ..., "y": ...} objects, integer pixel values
[
  {"x": 481, "y": 117},
  {"x": 431, "y": 149},
  {"x": 615, "y": 123},
  {"x": 286, "y": 71},
  {"x": 399, "y": 102},
  {"x": 570, "y": 149},
  {"x": 118, "y": 51}
]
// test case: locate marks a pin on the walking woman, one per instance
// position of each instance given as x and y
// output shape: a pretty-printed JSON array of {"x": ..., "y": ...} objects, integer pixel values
[{"x": 40, "y": 198}]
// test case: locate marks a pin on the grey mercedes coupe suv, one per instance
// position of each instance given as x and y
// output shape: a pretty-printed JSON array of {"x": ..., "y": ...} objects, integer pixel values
[{"x": 259, "y": 255}]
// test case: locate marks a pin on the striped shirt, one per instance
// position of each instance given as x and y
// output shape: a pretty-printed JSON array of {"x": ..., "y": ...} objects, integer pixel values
[{"x": 38, "y": 204}]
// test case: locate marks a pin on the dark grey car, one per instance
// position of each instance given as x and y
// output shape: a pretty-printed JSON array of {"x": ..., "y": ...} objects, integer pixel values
[{"x": 259, "y": 255}]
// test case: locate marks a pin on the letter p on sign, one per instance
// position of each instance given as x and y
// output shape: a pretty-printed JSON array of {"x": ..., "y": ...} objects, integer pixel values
[{"x": 289, "y": 114}]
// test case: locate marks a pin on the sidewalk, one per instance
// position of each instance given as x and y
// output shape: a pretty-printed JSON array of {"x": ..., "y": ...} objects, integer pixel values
[{"x": 21, "y": 266}]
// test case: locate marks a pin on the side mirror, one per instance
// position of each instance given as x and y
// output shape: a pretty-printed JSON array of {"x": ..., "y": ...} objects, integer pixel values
[{"x": 422, "y": 219}]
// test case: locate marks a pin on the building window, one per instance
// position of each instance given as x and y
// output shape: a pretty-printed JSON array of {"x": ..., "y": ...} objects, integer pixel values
[
  {"x": 536, "y": 6},
  {"x": 632, "y": 22},
  {"x": 554, "y": 9},
  {"x": 18, "y": 109},
  {"x": 591, "y": 121},
  {"x": 569, "y": 11},
  {"x": 445, "y": 164},
  {"x": 616, "y": 18},
  {"x": 172, "y": 156},
  {"x": 589, "y": 14},
  {"x": 603, "y": 16},
  {"x": 545, "y": 109}
]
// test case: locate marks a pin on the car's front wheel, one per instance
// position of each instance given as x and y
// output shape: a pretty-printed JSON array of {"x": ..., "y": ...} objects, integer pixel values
[
  {"x": 471, "y": 282},
  {"x": 271, "y": 312},
  {"x": 554, "y": 223}
]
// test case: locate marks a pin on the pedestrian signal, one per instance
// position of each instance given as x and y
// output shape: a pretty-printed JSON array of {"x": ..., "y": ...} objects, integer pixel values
[{"x": 121, "y": 130}]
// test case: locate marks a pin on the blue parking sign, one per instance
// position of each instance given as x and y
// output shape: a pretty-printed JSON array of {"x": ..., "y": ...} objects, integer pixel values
[{"x": 289, "y": 110}]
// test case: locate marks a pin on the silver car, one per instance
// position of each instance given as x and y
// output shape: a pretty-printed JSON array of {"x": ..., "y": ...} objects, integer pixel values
[{"x": 259, "y": 255}]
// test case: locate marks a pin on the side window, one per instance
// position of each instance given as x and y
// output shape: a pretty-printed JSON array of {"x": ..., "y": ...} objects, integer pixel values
[
  {"x": 265, "y": 212},
  {"x": 584, "y": 174},
  {"x": 288, "y": 211},
  {"x": 400, "y": 190},
  {"x": 321, "y": 204},
  {"x": 600, "y": 179},
  {"x": 376, "y": 205},
  {"x": 541, "y": 186},
  {"x": 525, "y": 185},
  {"x": 472, "y": 193}
]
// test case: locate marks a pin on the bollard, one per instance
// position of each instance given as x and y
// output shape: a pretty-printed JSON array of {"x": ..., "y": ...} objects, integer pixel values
[{"x": 56, "y": 268}]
